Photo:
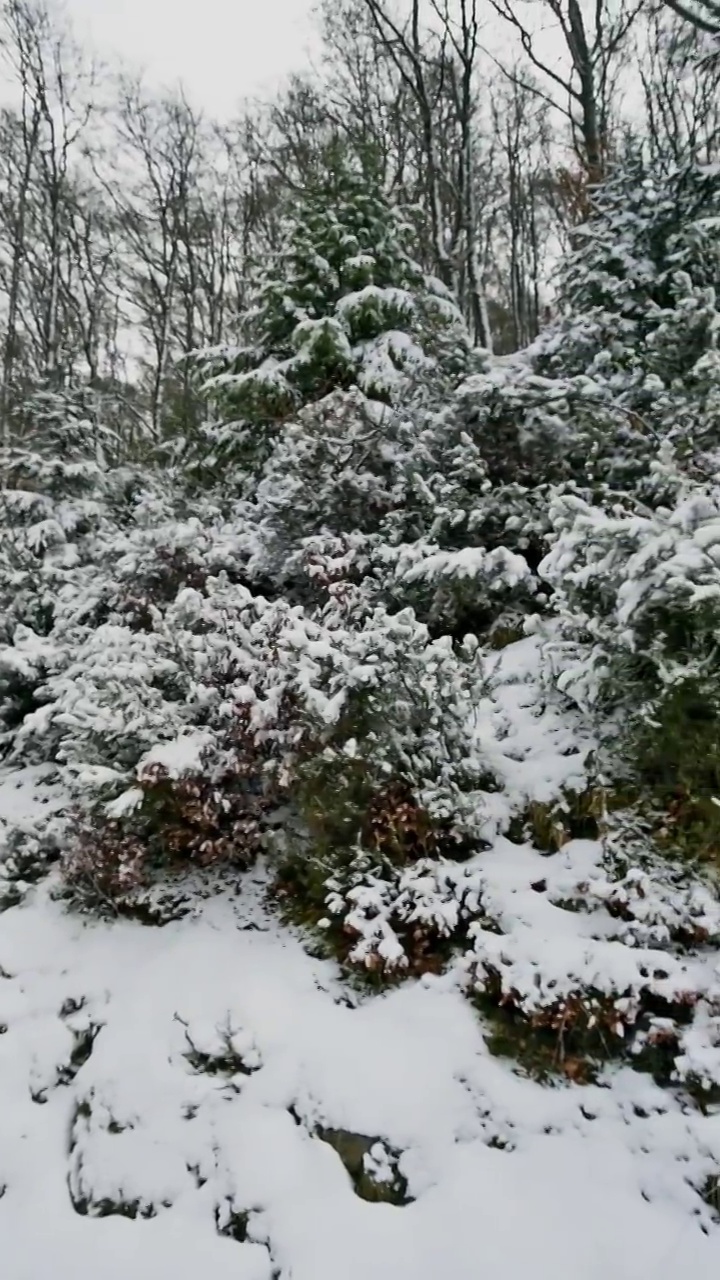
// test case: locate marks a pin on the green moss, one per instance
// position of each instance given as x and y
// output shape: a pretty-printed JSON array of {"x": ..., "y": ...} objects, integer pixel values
[
  {"x": 677, "y": 767},
  {"x": 501, "y": 636},
  {"x": 711, "y": 1194},
  {"x": 234, "y": 1224},
  {"x": 353, "y": 1148}
]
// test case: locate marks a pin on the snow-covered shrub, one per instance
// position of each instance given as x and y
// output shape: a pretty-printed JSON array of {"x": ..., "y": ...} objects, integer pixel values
[
  {"x": 386, "y": 762},
  {"x": 29, "y": 848},
  {"x": 462, "y": 543},
  {"x": 143, "y": 718},
  {"x": 161, "y": 551},
  {"x": 646, "y": 223},
  {"x": 598, "y": 955},
  {"x": 583, "y": 960},
  {"x": 23, "y": 666},
  {"x": 336, "y": 470},
  {"x": 405, "y": 919},
  {"x": 564, "y": 443},
  {"x": 394, "y": 916},
  {"x": 353, "y": 716},
  {"x": 54, "y": 507},
  {"x": 638, "y": 595},
  {"x": 407, "y": 499},
  {"x": 581, "y": 991},
  {"x": 582, "y": 412},
  {"x": 192, "y": 805},
  {"x": 655, "y": 903},
  {"x": 471, "y": 589},
  {"x": 697, "y": 1046},
  {"x": 52, "y": 501}
]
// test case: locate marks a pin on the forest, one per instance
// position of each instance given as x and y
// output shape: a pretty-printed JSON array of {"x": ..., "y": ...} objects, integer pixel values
[{"x": 360, "y": 574}]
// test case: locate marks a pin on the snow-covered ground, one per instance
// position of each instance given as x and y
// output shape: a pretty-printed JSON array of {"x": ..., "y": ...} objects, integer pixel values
[{"x": 106, "y": 1101}]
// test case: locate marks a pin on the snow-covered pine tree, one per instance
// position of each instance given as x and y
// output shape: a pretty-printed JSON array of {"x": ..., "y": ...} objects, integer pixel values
[
  {"x": 634, "y": 567},
  {"x": 52, "y": 502},
  {"x": 641, "y": 295},
  {"x": 633, "y": 362},
  {"x": 602, "y": 439},
  {"x": 636, "y": 592},
  {"x": 343, "y": 305}
]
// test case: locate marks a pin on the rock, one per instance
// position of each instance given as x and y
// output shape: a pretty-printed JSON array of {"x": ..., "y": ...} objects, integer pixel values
[{"x": 372, "y": 1165}]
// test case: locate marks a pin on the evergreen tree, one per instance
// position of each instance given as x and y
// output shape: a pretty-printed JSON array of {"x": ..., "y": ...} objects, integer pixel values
[
  {"x": 641, "y": 291},
  {"x": 343, "y": 305},
  {"x": 633, "y": 562}
]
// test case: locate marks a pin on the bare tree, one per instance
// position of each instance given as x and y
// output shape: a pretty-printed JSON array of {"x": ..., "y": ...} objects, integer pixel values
[
  {"x": 63, "y": 86},
  {"x": 52, "y": 82},
  {"x": 527, "y": 224},
  {"x": 681, "y": 90},
  {"x": 18, "y": 139},
  {"x": 704, "y": 15},
  {"x": 20, "y": 144},
  {"x": 462, "y": 29},
  {"x": 593, "y": 40},
  {"x": 90, "y": 280},
  {"x": 438, "y": 70},
  {"x": 368, "y": 100},
  {"x": 424, "y": 78},
  {"x": 161, "y": 141}
]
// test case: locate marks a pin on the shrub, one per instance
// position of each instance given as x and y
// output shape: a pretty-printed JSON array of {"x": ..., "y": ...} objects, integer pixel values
[
  {"x": 186, "y": 810},
  {"x": 349, "y": 716},
  {"x": 637, "y": 592}
]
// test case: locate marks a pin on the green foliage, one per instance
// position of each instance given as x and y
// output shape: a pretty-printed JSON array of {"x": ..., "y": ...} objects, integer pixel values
[
  {"x": 638, "y": 595},
  {"x": 343, "y": 304}
]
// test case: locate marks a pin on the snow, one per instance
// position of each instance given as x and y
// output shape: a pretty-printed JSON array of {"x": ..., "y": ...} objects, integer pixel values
[
  {"x": 471, "y": 561},
  {"x": 26, "y": 653},
  {"x": 181, "y": 756},
  {"x": 507, "y": 1177},
  {"x": 536, "y": 751},
  {"x": 23, "y": 792}
]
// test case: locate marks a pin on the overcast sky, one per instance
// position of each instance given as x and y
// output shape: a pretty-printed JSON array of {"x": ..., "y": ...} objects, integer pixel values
[{"x": 222, "y": 50}]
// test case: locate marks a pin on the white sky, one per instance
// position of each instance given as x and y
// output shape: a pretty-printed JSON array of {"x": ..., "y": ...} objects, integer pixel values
[
  {"x": 226, "y": 50},
  {"x": 222, "y": 50}
]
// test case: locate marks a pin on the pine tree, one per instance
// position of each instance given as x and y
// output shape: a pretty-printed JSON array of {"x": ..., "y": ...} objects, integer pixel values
[
  {"x": 633, "y": 565},
  {"x": 641, "y": 290},
  {"x": 631, "y": 368},
  {"x": 52, "y": 503},
  {"x": 344, "y": 305}
]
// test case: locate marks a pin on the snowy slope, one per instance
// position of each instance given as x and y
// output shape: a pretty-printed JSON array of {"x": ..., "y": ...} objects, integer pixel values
[{"x": 105, "y": 1102}]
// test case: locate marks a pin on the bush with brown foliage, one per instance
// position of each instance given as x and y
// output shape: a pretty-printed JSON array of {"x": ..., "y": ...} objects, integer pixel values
[{"x": 181, "y": 736}]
